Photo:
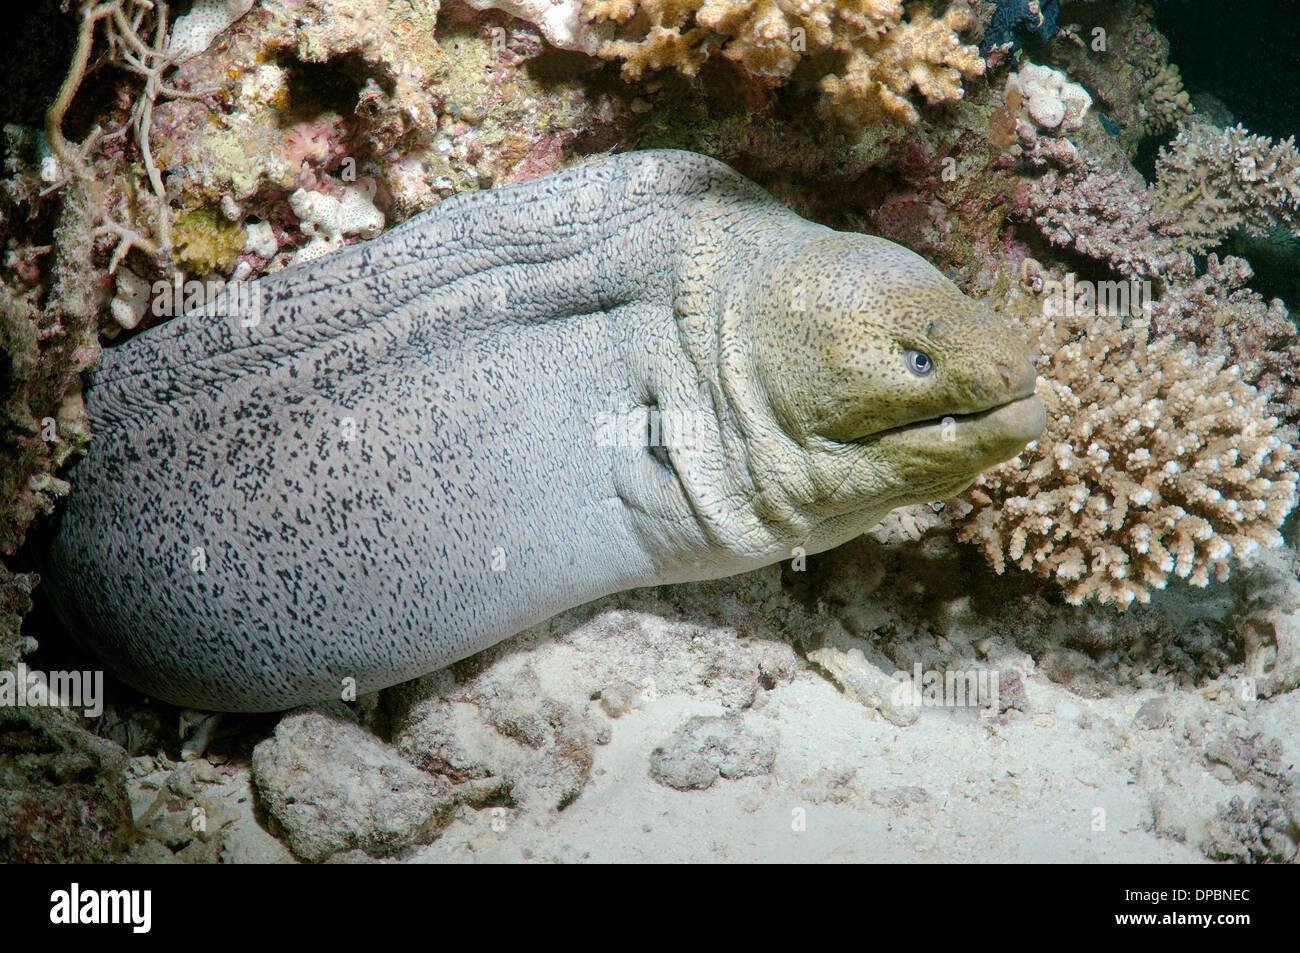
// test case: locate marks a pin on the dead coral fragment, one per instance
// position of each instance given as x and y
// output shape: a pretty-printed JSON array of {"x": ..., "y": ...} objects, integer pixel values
[
  {"x": 1156, "y": 461},
  {"x": 883, "y": 56}
]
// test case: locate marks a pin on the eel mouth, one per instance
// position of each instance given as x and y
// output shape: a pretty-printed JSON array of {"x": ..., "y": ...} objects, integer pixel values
[{"x": 1021, "y": 419}]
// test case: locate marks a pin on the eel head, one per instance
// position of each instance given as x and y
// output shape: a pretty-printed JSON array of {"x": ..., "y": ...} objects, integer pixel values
[{"x": 878, "y": 381}]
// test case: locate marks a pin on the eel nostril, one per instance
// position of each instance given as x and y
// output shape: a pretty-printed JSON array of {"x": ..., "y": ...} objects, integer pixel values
[{"x": 1006, "y": 374}]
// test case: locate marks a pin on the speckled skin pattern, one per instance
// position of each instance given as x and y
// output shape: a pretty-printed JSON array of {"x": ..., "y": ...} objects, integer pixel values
[{"x": 433, "y": 440}]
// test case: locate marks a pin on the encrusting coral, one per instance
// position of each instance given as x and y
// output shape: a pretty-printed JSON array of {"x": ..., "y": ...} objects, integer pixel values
[
  {"x": 1157, "y": 461},
  {"x": 884, "y": 49}
]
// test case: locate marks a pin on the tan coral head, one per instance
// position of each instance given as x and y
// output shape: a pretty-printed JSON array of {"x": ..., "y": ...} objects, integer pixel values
[{"x": 903, "y": 388}]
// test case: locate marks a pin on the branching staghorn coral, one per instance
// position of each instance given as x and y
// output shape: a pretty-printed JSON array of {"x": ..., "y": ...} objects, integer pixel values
[
  {"x": 1156, "y": 462},
  {"x": 1108, "y": 216},
  {"x": 1165, "y": 101},
  {"x": 885, "y": 49},
  {"x": 1211, "y": 181},
  {"x": 1221, "y": 315},
  {"x": 1116, "y": 219}
]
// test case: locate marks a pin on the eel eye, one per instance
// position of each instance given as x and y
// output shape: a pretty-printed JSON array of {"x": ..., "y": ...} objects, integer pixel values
[{"x": 918, "y": 362}]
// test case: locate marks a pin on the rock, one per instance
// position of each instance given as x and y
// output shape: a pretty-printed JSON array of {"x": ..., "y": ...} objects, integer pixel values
[
  {"x": 1077, "y": 672},
  {"x": 858, "y": 678},
  {"x": 1153, "y": 714},
  {"x": 705, "y": 749},
  {"x": 1262, "y": 832},
  {"x": 1011, "y": 692},
  {"x": 61, "y": 794},
  {"x": 332, "y": 786},
  {"x": 505, "y": 736},
  {"x": 1255, "y": 759}
]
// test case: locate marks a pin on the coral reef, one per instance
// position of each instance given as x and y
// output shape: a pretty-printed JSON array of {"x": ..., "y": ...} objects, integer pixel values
[
  {"x": 1148, "y": 233},
  {"x": 1114, "y": 51},
  {"x": 48, "y": 315},
  {"x": 264, "y": 125},
  {"x": 1219, "y": 313},
  {"x": 1211, "y": 181},
  {"x": 884, "y": 51},
  {"x": 1157, "y": 462},
  {"x": 1084, "y": 526}
]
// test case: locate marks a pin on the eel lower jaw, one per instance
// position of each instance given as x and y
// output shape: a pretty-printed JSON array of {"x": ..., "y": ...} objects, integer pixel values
[{"x": 1015, "y": 422}]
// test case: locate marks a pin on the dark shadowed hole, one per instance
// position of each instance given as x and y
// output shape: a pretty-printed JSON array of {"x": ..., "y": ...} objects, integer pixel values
[{"x": 319, "y": 88}]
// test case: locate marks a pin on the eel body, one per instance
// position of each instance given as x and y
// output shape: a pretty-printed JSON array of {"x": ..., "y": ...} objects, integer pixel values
[{"x": 639, "y": 370}]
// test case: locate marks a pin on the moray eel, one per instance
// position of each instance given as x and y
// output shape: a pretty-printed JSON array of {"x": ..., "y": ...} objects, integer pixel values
[{"x": 640, "y": 370}]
